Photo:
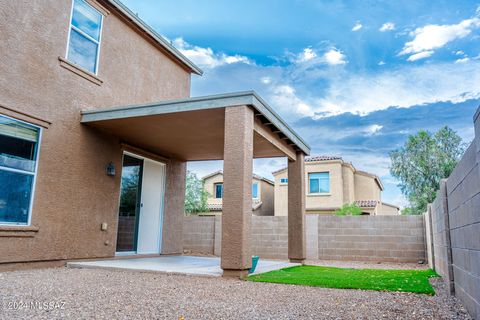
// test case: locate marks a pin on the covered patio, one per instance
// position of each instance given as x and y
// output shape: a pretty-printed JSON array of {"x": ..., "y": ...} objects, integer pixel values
[
  {"x": 235, "y": 128},
  {"x": 186, "y": 265}
]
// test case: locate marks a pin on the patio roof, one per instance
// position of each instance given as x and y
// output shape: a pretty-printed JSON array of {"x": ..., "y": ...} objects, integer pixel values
[{"x": 193, "y": 128}]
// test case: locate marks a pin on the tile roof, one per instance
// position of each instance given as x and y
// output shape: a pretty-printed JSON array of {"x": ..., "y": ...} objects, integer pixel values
[
  {"x": 322, "y": 158},
  {"x": 218, "y": 206},
  {"x": 313, "y": 159},
  {"x": 255, "y": 176},
  {"x": 366, "y": 203}
]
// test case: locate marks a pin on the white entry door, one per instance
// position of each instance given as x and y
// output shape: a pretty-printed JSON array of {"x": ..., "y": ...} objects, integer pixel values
[{"x": 151, "y": 207}]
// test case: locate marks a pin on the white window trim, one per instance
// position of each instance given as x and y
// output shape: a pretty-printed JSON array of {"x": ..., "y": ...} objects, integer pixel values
[
  {"x": 71, "y": 26},
  {"x": 34, "y": 182},
  {"x": 319, "y": 192}
]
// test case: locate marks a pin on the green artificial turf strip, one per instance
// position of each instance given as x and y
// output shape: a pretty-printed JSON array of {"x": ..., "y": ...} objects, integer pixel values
[{"x": 366, "y": 279}]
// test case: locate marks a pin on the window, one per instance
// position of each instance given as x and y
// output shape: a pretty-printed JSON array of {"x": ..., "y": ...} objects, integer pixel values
[
  {"x": 218, "y": 190},
  {"x": 84, "y": 36},
  {"x": 284, "y": 180},
  {"x": 255, "y": 190},
  {"x": 319, "y": 182},
  {"x": 18, "y": 165}
]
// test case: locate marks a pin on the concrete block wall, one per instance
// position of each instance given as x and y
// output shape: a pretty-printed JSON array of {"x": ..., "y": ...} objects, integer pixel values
[
  {"x": 199, "y": 234},
  {"x": 372, "y": 238},
  {"x": 463, "y": 193},
  {"x": 366, "y": 238},
  {"x": 455, "y": 224},
  {"x": 440, "y": 237}
]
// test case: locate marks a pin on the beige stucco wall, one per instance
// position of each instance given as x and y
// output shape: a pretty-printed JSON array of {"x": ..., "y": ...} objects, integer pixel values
[
  {"x": 348, "y": 183},
  {"x": 346, "y": 186},
  {"x": 73, "y": 195},
  {"x": 366, "y": 188},
  {"x": 265, "y": 194},
  {"x": 386, "y": 209},
  {"x": 268, "y": 199},
  {"x": 209, "y": 186},
  {"x": 281, "y": 194}
]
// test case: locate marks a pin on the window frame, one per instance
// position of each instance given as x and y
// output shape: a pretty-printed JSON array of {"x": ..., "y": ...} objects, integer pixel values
[
  {"x": 34, "y": 174},
  {"x": 258, "y": 190},
  {"x": 283, "y": 182},
  {"x": 215, "y": 190},
  {"x": 319, "y": 192},
  {"x": 71, "y": 26}
]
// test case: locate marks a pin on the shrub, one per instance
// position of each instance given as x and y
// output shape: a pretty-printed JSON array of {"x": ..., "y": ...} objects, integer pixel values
[{"x": 349, "y": 209}]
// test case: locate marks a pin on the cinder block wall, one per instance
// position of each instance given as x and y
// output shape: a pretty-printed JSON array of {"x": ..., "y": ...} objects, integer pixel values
[
  {"x": 199, "y": 234},
  {"x": 455, "y": 223},
  {"x": 463, "y": 193},
  {"x": 372, "y": 238},
  {"x": 366, "y": 238}
]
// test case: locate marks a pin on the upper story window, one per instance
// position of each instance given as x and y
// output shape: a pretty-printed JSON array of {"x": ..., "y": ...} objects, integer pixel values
[
  {"x": 319, "y": 182},
  {"x": 284, "y": 180},
  {"x": 218, "y": 190},
  {"x": 255, "y": 190},
  {"x": 84, "y": 36},
  {"x": 18, "y": 166}
]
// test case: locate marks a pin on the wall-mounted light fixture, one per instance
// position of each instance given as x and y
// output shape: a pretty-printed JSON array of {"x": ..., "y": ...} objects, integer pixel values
[{"x": 110, "y": 169}]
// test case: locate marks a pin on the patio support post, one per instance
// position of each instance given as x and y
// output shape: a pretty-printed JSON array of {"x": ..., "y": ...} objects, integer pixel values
[
  {"x": 236, "y": 256},
  {"x": 296, "y": 209}
]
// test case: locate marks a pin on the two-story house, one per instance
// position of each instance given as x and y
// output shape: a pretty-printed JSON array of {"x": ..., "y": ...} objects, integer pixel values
[
  {"x": 330, "y": 183},
  {"x": 262, "y": 194},
  {"x": 96, "y": 127}
]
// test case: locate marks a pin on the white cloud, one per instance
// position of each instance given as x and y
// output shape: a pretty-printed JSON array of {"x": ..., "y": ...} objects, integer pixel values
[
  {"x": 206, "y": 57},
  {"x": 402, "y": 87},
  {"x": 373, "y": 129},
  {"x": 357, "y": 27},
  {"x": 459, "y": 53},
  {"x": 306, "y": 55},
  {"x": 462, "y": 60},
  {"x": 430, "y": 37},
  {"x": 334, "y": 57},
  {"x": 381, "y": 63},
  {"x": 288, "y": 103},
  {"x": 266, "y": 80},
  {"x": 387, "y": 26},
  {"x": 420, "y": 55}
]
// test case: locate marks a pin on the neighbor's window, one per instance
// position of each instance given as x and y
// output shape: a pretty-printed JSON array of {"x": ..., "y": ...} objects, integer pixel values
[
  {"x": 284, "y": 180},
  {"x": 319, "y": 182},
  {"x": 18, "y": 157},
  {"x": 255, "y": 190},
  {"x": 218, "y": 190},
  {"x": 84, "y": 40}
]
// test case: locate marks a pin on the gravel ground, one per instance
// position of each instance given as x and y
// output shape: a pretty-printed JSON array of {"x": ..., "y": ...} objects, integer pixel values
[{"x": 104, "y": 294}]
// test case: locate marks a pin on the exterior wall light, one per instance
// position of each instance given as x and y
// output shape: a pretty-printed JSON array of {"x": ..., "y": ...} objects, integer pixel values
[{"x": 110, "y": 169}]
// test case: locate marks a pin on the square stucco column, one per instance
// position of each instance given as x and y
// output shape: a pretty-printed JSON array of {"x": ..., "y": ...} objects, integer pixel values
[
  {"x": 296, "y": 209},
  {"x": 174, "y": 207},
  {"x": 236, "y": 256}
]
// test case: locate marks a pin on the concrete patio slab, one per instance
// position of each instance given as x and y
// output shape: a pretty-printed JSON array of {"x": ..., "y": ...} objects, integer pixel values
[{"x": 187, "y": 265}]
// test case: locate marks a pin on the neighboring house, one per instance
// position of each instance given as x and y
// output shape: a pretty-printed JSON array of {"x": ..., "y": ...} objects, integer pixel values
[
  {"x": 262, "y": 194},
  {"x": 330, "y": 183},
  {"x": 96, "y": 127}
]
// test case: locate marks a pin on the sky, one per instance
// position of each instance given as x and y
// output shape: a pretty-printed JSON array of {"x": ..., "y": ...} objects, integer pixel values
[{"x": 353, "y": 78}]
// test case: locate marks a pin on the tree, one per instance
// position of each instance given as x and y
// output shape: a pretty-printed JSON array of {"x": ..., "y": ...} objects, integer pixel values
[
  {"x": 195, "y": 194},
  {"x": 422, "y": 162},
  {"x": 349, "y": 210}
]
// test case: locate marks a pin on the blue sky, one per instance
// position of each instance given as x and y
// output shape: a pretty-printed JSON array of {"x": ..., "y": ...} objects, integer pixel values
[{"x": 354, "y": 78}]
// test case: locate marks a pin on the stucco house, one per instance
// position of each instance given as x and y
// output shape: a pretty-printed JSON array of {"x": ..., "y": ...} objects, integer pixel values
[
  {"x": 96, "y": 126},
  {"x": 262, "y": 194},
  {"x": 332, "y": 182}
]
